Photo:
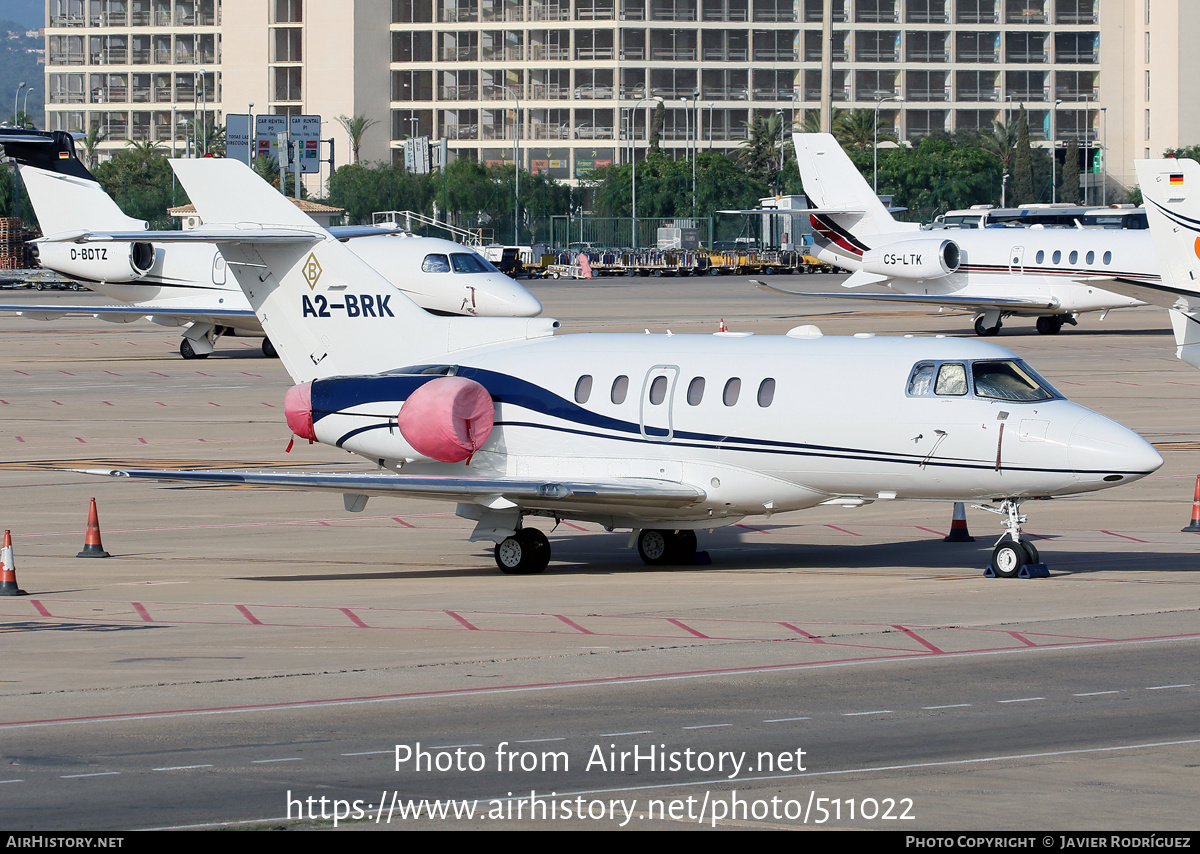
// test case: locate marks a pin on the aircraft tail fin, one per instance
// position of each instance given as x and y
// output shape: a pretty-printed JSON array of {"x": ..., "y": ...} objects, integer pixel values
[
  {"x": 1171, "y": 193},
  {"x": 832, "y": 182},
  {"x": 64, "y": 194},
  {"x": 326, "y": 311}
]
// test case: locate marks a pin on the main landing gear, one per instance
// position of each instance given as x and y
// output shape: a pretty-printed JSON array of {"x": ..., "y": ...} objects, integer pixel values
[
  {"x": 527, "y": 552},
  {"x": 1051, "y": 324},
  {"x": 1011, "y": 552},
  {"x": 664, "y": 548},
  {"x": 269, "y": 349},
  {"x": 189, "y": 352},
  {"x": 986, "y": 326}
]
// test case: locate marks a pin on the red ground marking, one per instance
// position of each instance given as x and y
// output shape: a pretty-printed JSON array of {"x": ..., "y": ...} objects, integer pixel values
[
  {"x": 41, "y": 609},
  {"x": 68, "y": 373},
  {"x": 159, "y": 402},
  {"x": 573, "y": 624},
  {"x": 269, "y": 404},
  {"x": 752, "y": 528},
  {"x": 1123, "y": 536},
  {"x": 326, "y": 524},
  {"x": 20, "y": 372},
  {"x": 918, "y": 639},
  {"x": 4, "y": 401},
  {"x": 843, "y": 530},
  {"x": 675, "y": 622},
  {"x": 930, "y": 530},
  {"x": 19, "y": 439},
  {"x": 210, "y": 403},
  {"x": 245, "y": 373},
  {"x": 576, "y": 527},
  {"x": 400, "y": 521},
  {"x": 1021, "y": 638},
  {"x": 56, "y": 403},
  {"x": 801, "y": 631},
  {"x": 159, "y": 374},
  {"x": 110, "y": 373},
  {"x": 201, "y": 373},
  {"x": 246, "y": 613},
  {"x": 143, "y": 441},
  {"x": 81, "y": 440},
  {"x": 142, "y": 612},
  {"x": 463, "y": 621},
  {"x": 107, "y": 402},
  {"x": 354, "y": 618}
]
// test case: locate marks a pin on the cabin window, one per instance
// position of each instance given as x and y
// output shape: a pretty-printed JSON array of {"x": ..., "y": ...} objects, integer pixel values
[
  {"x": 620, "y": 388},
  {"x": 1041, "y": 255},
  {"x": 733, "y": 388},
  {"x": 695, "y": 391},
  {"x": 766, "y": 392},
  {"x": 1073, "y": 258},
  {"x": 658, "y": 390},
  {"x": 1107, "y": 257},
  {"x": 951, "y": 379},
  {"x": 1091, "y": 257},
  {"x": 583, "y": 389},
  {"x": 467, "y": 263},
  {"x": 435, "y": 264},
  {"x": 922, "y": 379},
  {"x": 1056, "y": 257},
  {"x": 1009, "y": 380}
]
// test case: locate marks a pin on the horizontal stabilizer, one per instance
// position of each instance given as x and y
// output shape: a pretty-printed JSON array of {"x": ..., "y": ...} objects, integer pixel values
[
  {"x": 53, "y": 311},
  {"x": 948, "y": 300},
  {"x": 209, "y": 235}
]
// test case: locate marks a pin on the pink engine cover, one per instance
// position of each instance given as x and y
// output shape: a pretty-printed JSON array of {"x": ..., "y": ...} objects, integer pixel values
[
  {"x": 447, "y": 419},
  {"x": 297, "y": 408}
]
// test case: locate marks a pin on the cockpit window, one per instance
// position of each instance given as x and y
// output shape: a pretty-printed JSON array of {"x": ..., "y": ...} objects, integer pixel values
[
  {"x": 921, "y": 380},
  {"x": 951, "y": 379},
  {"x": 467, "y": 263},
  {"x": 1009, "y": 380},
  {"x": 435, "y": 264}
]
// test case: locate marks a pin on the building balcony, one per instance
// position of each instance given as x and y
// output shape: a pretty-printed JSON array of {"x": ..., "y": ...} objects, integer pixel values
[
  {"x": 877, "y": 56},
  {"x": 1023, "y": 95},
  {"x": 978, "y": 56},
  {"x": 775, "y": 55},
  {"x": 458, "y": 54},
  {"x": 929, "y": 55},
  {"x": 728, "y": 93},
  {"x": 458, "y": 93},
  {"x": 510, "y": 54},
  {"x": 927, "y": 95},
  {"x": 593, "y": 53},
  {"x": 725, "y": 54},
  {"x": 548, "y": 52},
  {"x": 978, "y": 95},
  {"x": 1083, "y": 57},
  {"x": 673, "y": 54},
  {"x": 1027, "y": 56}
]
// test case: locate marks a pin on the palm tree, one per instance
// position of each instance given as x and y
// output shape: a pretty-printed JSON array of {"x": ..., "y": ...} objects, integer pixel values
[
  {"x": 144, "y": 151},
  {"x": 1002, "y": 141},
  {"x": 356, "y": 128},
  {"x": 760, "y": 145},
  {"x": 90, "y": 145},
  {"x": 856, "y": 129}
]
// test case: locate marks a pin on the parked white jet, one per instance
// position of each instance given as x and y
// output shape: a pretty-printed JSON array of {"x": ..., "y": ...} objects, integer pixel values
[
  {"x": 662, "y": 434},
  {"x": 1053, "y": 274},
  {"x": 189, "y": 284},
  {"x": 1171, "y": 191}
]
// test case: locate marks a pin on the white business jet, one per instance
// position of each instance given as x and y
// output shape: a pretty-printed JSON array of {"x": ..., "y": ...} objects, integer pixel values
[
  {"x": 661, "y": 434},
  {"x": 188, "y": 285},
  {"x": 1171, "y": 191},
  {"x": 1053, "y": 274}
]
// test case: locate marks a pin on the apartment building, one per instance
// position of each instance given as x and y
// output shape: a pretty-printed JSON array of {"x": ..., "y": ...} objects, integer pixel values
[{"x": 587, "y": 74}]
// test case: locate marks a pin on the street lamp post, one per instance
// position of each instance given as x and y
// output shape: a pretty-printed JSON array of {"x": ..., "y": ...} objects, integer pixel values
[
  {"x": 249, "y": 136},
  {"x": 875, "y": 168},
  {"x": 17, "y": 95},
  {"x": 633, "y": 158},
  {"x": 1054, "y": 152},
  {"x": 25, "y": 104},
  {"x": 203, "y": 144},
  {"x": 1104, "y": 161}
]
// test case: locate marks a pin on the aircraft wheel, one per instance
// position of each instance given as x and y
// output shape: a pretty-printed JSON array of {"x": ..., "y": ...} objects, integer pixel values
[
  {"x": 269, "y": 349},
  {"x": 1031, "y": 551},
  {"x": 1008, "y": 558},
  {"x": 188, "y": 352},
  {"x": 654, "y": 547},
  {"x": 525, "y": 553},
  {"x": 1049, "y": 325},
  {"x": 985, "y": 331},
  {"x": 684, "y": 547}
]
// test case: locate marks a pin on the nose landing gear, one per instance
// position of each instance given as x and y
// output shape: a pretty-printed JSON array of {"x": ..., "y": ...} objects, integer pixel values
[{"x": 1013, "y": 556}]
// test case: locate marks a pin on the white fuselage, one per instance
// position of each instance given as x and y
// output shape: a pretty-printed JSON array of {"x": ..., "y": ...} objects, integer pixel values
[
  {"x": 1053, "y": 265},
  {"x": 839, "y": 427}
]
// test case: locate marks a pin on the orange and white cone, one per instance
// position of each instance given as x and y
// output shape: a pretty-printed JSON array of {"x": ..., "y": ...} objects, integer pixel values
[
  {"x": 8, "y": 570},
  {"x": 1194, "y": 527},
  {"x": 722, "y": 327},
  {"x": 958, "y": 526},
  {"x": 92, "y": 547}
]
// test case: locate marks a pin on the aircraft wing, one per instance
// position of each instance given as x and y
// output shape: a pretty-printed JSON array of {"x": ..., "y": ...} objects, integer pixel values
[
  {"x": 483, "y": 490},
  {"x": 126, "y": 313},
  {"x": 1160, "y": 293},
  {"x": 949, "y": 300}
]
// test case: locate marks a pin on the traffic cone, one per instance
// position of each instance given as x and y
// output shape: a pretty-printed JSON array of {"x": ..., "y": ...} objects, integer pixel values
[
  {"x": 958, "y": 526},
  {"x": 92, "y": 547},
  {"x": 1194, "y": 527},
  {"x": 8, "y": 570},
  {"x": 722, "y": 327}
]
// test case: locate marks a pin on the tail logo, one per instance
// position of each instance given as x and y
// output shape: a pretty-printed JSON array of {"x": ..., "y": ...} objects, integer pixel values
[
  {"x": 1196, "y": 247},
  {"x": 312, "y": 271}
]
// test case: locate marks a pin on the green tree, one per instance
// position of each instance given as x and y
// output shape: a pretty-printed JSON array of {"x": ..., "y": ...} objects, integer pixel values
[
  {"x": 142, "y": 186},
  {"x": 856, "y": 129},
  {"x": 89, "y": 145},
  {"x": 1068, "y": 190},
  {"x": 356, "y": 129},
  {"x": 759, "y": 152},
  {"x": 657, "y": 123},
  {"x": 1022, "y": 164}
]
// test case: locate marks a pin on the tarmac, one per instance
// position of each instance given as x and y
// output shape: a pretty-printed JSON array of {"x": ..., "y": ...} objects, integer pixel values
[{"x": 279, "y": 611}]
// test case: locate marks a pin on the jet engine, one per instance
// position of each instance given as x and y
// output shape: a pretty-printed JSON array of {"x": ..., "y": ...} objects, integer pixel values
[
  {"x": 445, "y": 419},
  {"x": 114, "y": 262},
  {"x": 924, "y": 258}
]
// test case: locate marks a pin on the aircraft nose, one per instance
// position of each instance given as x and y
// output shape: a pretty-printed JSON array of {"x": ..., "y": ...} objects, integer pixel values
[
  {"x": 505, "y": 298},
  {"x": 1104, "y": 452}
]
